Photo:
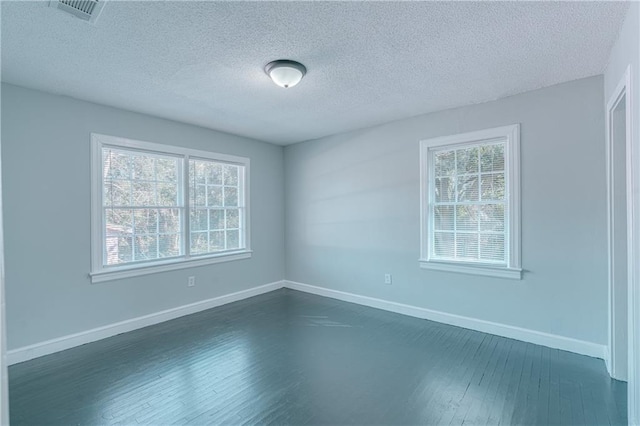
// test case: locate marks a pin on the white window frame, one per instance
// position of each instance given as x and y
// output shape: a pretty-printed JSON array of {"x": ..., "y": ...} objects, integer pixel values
[
  {"x": 99, "y": 272},
  {"x": 511, "y": 137}
]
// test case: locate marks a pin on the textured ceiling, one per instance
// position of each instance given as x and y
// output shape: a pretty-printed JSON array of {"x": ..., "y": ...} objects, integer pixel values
[{"x": 368, "y": 62}]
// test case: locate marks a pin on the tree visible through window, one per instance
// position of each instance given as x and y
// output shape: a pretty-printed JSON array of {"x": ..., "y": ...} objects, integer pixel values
[
  {"x": 142, "y": 210},
  {"x": 215, "y": 209},
  {"x": 161, "y": 204},
  {"x": 471, "y": 203}
]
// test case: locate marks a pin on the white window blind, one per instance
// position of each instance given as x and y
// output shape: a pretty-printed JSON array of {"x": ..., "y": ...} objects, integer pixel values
[
  {"x": 143, "y": 207},
  {"x": 159, "y": 206},
  {"x": 468, "y": 204},
  {"x": 470, "y": 214}
]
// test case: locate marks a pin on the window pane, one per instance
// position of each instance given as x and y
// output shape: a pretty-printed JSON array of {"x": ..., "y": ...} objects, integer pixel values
[
  {"x": 493, "y": 186},
  {"x": 468, "y": 188},
  {"x": 467, "y": 160},
  {"x": 145, "y": 247},
  {"x": 119, "y": 249},
  {"x": 445, "y": 190},
  {"x": 115, "y": 164},
  {"x": 167, "y": 194},
  {"x": 118, "y": 241},
  {"x": 214, "y": 196},
  {"x": 166, "y": 170},
  {"x": 444, "y": 245},
  {"x": 119, "y": 221},
  {"x": 233, "y": 238},
  {"x": 143, "y": 168},
  {"x": 492, "y": 247},
  {"x": 199, "y": 195},
  {"x": 232, "y": 218},
  {"x": 117, "y": 193},
  {"x": 216, "y": 240},
  {"x": 169, "y": 245},
  {"x": 216, "y": 219},
  {"x": 198, "y": 220},
  {"x": 145, "y": 221},
  {"x": 498, "y": 157},
  {"x": 197, "y": 173},
  {"x": 467, "y": 246},
  {"x": 467, "y": 218},
  {"x": 214, "y": 173},
  {"x": 143, "y": 194},
  {"x": 230, "y": 196},
  {"x": 444, "y": 218},
  {"x": 492, "y": 158},
  {"x": 230, "y": 175},
  {"x": 168, "y": 221},
  {"x": 492, "y": 217},
  {"x": 445, "y": 163},
  {"x": 199, "y": 242}
]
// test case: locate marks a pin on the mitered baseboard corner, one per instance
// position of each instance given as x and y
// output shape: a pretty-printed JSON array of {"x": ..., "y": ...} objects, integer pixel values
[{"x": 26, "y": 353}]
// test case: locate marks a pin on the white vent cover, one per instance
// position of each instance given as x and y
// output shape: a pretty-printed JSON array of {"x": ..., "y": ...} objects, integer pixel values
[{"x": 87, "y": 10}]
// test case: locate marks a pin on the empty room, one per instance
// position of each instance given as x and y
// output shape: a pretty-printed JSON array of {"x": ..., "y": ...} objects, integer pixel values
[{"x": 325, "y": 213}]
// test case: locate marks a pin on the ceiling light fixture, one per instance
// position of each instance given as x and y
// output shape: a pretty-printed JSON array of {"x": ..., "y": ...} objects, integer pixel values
[{"x": 285, "y": 73}]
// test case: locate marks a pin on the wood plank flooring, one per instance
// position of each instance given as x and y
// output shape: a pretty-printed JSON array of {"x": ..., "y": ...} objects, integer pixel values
[{"x": 293, "y": 358}]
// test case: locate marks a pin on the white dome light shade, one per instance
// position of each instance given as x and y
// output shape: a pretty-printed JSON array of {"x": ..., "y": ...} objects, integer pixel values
[
  {"x": 285, "y": 73},
  {"x": 285, "y": 76}
]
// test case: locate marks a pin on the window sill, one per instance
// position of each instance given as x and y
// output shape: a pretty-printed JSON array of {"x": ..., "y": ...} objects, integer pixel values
[
  {"x": 467, "y": 268},
  {"x": 134, "y": 271}
]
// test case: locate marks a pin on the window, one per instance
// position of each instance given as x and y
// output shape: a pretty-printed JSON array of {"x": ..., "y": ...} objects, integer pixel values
[
  {"x": 158, "y": 207},
  {"x": 470, "y": 213}
]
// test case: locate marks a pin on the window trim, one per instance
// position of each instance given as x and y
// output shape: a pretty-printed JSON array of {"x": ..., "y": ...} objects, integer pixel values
[
  {"x": 511, "y": 135},
  {"x": 100, "y": 273}
]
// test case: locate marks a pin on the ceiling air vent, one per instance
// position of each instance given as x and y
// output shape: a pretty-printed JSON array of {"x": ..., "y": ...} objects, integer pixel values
[{"x": 87, "y": 10}]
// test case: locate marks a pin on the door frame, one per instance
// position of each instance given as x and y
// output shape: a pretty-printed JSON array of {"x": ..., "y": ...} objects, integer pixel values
[
  {"x": 625, "y": 87},
  {"x": 622, "y": 90},
  {"x": 4, "y": 381}
]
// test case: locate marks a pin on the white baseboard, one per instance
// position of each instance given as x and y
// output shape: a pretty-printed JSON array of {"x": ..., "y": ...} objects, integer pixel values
[
  {"x": 517, "y": 333},
  {"x": 607, "y": 360},
  {"x": 545, "y": 339},
  {"x": 66, "y": 342}
]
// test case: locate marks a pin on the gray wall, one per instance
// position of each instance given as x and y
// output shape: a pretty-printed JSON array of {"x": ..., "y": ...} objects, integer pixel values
[
  {"x": 352, "y": 210},
  {"x": 46, "y": 186}
]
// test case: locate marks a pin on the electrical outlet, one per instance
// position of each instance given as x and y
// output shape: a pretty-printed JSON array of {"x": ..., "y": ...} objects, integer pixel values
[
  {"x": 191, "y": 282},
  {"x": 387, "y": 278}
]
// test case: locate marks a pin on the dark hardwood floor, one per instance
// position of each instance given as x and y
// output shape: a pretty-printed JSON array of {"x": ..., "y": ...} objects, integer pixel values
[{"x": 292, "y": 358}]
